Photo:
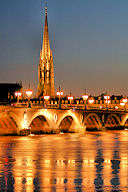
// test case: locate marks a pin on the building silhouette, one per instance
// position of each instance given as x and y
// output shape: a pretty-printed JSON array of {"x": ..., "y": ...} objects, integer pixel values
[
  {"x": 7, "y": 91},
  {"x": 46, "y": 68}
]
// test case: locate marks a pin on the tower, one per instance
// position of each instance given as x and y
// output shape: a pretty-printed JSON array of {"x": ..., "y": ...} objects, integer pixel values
[{"x": 46, "y": 68}]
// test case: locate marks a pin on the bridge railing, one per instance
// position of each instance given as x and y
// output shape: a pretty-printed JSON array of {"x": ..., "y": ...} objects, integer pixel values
[{"x": 69, "y": 106}]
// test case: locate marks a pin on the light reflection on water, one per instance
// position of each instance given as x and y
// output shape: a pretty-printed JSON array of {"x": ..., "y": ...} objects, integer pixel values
[{"x": 69, "y": 162}]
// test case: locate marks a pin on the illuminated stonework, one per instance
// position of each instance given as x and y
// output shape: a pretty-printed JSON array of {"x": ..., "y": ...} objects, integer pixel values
[{"x": 46, "y": 68}]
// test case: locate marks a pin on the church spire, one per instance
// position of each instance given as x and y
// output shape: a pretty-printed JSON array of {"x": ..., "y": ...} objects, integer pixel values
[
  {"x": 46, "y": 44},
  {"x": 46, "y": 68}
]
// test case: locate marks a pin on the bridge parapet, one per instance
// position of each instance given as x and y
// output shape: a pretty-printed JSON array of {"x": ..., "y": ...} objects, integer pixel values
[{"x": 95, "y": 106}]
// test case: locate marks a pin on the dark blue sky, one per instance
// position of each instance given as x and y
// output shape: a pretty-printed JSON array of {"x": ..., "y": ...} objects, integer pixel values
[{"x": 89, "y": 39}]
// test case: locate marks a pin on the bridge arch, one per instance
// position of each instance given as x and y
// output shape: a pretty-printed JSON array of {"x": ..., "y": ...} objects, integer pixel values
[
  {"x": 9, "y": 123},
  {"x": 125, "y": 121},
  {"x": 112, "y": 121},
  {"x": 69, "y": 122},
  {"x": 92, "y": 122},
  {"x": 41, "y": 122},
  {"x": 66, "y": 124}
]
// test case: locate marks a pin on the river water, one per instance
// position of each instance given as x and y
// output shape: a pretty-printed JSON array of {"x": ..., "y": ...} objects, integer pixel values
[{"x": 96, "y": 161}]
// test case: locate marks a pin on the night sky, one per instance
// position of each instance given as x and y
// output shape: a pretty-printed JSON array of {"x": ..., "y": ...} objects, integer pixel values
[{"x": 89, "y": 40}]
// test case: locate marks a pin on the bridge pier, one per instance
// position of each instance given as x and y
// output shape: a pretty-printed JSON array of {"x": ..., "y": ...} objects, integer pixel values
[
  {"x": 75, "y": 129},
  {"x": 24, "y": 132},
  {"x": 103, "y": 128}
]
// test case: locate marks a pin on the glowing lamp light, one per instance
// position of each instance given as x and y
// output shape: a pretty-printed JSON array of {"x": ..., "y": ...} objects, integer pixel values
[
  {"x": 46, "y": 97},
  {"x": 116, "y": 107},
  {"x": 85, "y": 97},
  {"x": 18, "y": 94},
  {"x": 59, "y": 93},
  {"x": 91, "y": 101},
  {"x": 106, "y": 97},
  {"x": 124, "y": 100},
  {"x": 122, "y": 104},
  {"x": 108, "y": 101},
  {"x": 70, "y": 98},
  {"x": 29, "y": 93}
]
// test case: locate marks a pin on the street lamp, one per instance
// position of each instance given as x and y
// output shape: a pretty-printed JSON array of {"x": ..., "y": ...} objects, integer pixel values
[
  {"x": 85, "y": 97},
  {"x": 29, "y": 93},
  {"x": 125, "y": 100},
  {"x": 18, "y": 94},
  {"x": 46, "y": 98},
  {"x": 70, "y": 98},
  {"x": 123, "y": 103},
  {"x": 107, "y": 100},
  {"x": 91, "y": 101},
  {"x": 106, "y": 97},
  {"x": 59, "y": 93}
]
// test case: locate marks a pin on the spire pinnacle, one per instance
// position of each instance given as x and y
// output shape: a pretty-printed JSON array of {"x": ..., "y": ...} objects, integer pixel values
[
  {"x": 46, "y": 6},
  {"x": 46, "y": 52}
]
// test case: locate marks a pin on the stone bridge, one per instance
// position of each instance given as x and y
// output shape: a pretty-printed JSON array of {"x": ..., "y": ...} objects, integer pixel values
[{"x": 39, "y": 120}]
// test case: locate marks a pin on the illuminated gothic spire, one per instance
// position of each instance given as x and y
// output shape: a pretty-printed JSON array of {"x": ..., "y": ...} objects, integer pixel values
[{"x": 46, "y": 68}]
